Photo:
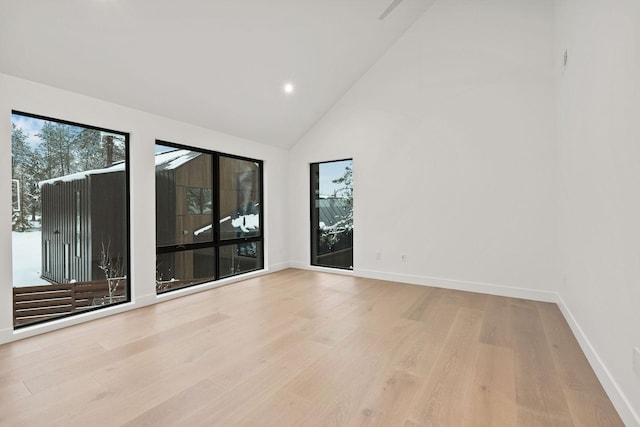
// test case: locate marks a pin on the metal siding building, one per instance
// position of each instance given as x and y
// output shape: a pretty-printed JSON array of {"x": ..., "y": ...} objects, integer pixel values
[{"x": 82, "y": 215}]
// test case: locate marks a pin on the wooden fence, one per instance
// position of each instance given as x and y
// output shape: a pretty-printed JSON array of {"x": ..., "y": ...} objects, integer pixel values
[{"x": 33, "y": 304}]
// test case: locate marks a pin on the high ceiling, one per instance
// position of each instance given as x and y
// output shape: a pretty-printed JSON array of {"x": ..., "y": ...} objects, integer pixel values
[{"x": 220, "y": 64}]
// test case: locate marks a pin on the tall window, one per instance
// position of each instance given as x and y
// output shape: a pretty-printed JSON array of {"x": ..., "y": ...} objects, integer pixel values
[
  {"x": 208, "y": 216},
  {"x": 70, "y": 238},
  {"x": 332, "y": 214}
]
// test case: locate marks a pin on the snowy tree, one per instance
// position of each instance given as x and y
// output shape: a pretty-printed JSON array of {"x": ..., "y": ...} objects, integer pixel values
[
  {"x": 31, "y": 187},
  {"x": 340, "y": 234},
  {"x": 26, "y": 168},
  {"x": 64, "y": 149},
  {"x": 94, "y": 149},
  {"x": 88, "y": 150},
  {"x": 20, "y": 152},
  {"x": 346, "y": 190},
  {"x": 57, "y": 148}
]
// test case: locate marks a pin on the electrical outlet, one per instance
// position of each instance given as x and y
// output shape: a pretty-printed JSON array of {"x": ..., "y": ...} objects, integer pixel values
[
  {"x": 403, "y": 258},
  {"x": 378, "y": 256},
  {"x": 636, "y": 361}
]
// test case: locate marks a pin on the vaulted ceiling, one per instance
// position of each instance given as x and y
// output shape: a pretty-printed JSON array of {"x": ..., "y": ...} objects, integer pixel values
[{"x": 220, "y": 64}]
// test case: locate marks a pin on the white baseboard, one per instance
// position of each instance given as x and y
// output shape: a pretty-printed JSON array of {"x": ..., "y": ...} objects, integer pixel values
[
  {"x": 278, "y": 267},
  {"x": 461, "y": 285},
  {"x": 629, "y": 416},
  {"x": 5, "y": 335},
  {"x": 41, "y": 328},
  {"x": 303, "y": 266},
  {"x": 144, "y": 300}
]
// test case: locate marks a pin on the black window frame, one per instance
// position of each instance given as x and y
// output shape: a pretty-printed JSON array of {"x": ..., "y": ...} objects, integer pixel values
[
  {"x": 216, "y": 241},
  {"x": 314, "y": 217},
  {"x": 127, "y": 216}
]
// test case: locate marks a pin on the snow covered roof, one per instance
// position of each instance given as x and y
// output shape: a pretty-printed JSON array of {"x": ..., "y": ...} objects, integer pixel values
[
  {"x": 333, "y": 210},
  {"x": 164, "y": 161},
  {"x": 82, "y": 175},
  {"x": 174, "y": 159}
]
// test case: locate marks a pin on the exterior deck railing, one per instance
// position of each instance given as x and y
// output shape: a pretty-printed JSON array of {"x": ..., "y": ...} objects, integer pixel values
[{"x": 33, "y": 304}]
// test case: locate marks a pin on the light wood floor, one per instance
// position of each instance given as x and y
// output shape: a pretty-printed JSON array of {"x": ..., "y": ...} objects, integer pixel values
[{"x": 299, "y": 348}]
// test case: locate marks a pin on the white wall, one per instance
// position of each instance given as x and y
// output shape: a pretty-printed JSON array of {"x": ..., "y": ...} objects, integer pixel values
[
  {"x": 452, "y": 134},
  {"x": 599, "y": 187},
  {"x": 144, "y": 129}
]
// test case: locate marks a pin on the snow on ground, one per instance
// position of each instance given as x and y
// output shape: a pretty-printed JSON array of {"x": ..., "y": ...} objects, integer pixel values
[{"x": 27, "y": 258}]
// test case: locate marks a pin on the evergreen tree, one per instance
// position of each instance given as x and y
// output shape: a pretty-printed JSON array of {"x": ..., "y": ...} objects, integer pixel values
[
  {"x": 88, "y": 150},
  {"x": 31, "y": 184},
  {"x": 64, "y": 149},
  {"x": 97, "y": 150},
  {"x": 20, "y": 152},
  {"x": 57, "y": 148}
]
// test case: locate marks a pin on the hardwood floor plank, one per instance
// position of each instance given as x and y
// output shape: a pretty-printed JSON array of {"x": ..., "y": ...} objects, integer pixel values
[
  {"x": 331, "y": 331},
  {"x": 569, "y": 360},
  {"x": 359, "y": 363},
  {"x": 283, "y": 409},
  {"x": 318, "y": 305},
  {"x": 448, "y": 380},
  {"x": 493, "y": 391},
  {"x": 588, "y": 409},
  {"x": 464, "y": 299},
  {"x": 51, "y": 406},
  {"x": 353, "y": 359},
  {"x": 388, "y": 400},
  {"x": 421, "y": 306},
  {"x": 496, "y": 326},
  {"x": 172, "y": 411},
  {"x": 13, "y": 390},
  {"x": 245, "y": 396},
  {"x": 55, "y": 374},
  {"x": 539, "y": 395},
  {"x": 382, "y": 312},
  {"x": 29, "y": 369},
  {"x": 18, "y": 349},
  {"x": 418, "y": 355},
  {"x": 582, "y": 388}
]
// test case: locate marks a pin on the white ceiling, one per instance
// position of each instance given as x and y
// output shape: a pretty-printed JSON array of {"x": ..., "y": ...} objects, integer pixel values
[{"x": 220, "y": 64}]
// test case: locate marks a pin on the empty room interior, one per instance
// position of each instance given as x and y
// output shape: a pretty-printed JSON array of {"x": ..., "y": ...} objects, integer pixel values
[{"x": 335, "y": 213}]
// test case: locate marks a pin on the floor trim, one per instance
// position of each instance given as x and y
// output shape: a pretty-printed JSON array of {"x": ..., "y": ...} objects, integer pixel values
[{"x": 617, "y": 396}]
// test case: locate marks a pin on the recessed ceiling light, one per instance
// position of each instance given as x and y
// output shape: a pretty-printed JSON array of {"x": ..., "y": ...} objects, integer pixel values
[{"x": 288, "y": 88}]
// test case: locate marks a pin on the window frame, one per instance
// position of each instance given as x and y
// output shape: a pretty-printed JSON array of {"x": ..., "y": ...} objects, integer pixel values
[
  {"x": 314, "y": 217},
  {"x": 126, "y": 218},
  {"x": 216, "y": 241}
]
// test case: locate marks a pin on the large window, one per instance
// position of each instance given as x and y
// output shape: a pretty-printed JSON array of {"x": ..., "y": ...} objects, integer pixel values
[
  {"x": 208, "y": 216},
  {"x": 70, "y": 239},
  {"x": 332, "y": 214}
]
